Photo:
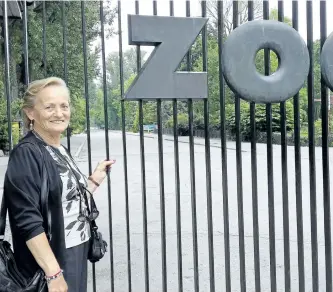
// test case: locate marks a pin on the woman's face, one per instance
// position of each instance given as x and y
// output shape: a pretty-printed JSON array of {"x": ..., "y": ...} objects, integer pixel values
[{"x": 51, "y": 112}]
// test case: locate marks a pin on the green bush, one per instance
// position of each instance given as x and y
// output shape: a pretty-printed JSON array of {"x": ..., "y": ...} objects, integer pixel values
[
  {"x": 260, "y": 117},
  {"x": 182, "y": 120}
]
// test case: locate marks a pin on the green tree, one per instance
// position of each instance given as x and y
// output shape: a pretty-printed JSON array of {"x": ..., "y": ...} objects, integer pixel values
[
  {"x": 54, "y": 65},
  {"x": 212, "y": 11}
]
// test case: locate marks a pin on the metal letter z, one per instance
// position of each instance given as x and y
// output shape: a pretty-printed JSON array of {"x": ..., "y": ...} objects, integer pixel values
[{"x": 172, "y": 38}]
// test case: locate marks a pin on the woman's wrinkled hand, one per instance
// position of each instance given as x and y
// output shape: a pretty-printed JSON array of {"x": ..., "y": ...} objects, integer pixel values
[
  {"x": 58, "y": 285},
  {"x": 100, "y": 171}
]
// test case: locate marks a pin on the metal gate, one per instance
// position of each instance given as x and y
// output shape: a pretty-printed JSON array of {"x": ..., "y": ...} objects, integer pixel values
[{"x": 243, "y": 189}]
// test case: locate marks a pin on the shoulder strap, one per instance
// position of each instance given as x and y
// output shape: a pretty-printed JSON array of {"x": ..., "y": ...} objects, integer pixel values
[
  {"x": 3, "y": 213},
  {"x": 44, "y": 203},
  {"x": 93, "y": 207}
]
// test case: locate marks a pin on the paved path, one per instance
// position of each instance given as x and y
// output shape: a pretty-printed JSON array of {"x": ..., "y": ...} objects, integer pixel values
[{"x": 154, "y": 219}]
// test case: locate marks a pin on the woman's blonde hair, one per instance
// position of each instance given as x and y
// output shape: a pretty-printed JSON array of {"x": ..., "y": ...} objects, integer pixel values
[{"x": 33, "y": 89}]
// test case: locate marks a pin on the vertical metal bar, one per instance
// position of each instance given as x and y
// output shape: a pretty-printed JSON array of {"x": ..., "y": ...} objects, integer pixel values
[
  {"x": 177, "y": 185},
  {"x": 7, "y": 73},
  {"x": 143, "y": 170},
  {"x": 325, "y": 156},
  {"x": 298, "y": 172},
  {"x": 123, "y": 126},
  {"x": 25, "y": 44},
  {"x": 193, "y": 197},
  {"x": 271, "y": 207},
  {"x": 254, "y": 179},
  {"x": 161, "y": 179},
  {"x": 64, "y": 37},
  {"x": 44, "y": 39},
  {"x": 220, "y": 21},
  {"x": 312, "y": 160},
  {"x": 220, "y": 17},
  {"x": 208, "y": 162},
  {"x": 192, "y": 175},
  {"x": 154, "y": 7},
  {"x": 86, "y": 95},
  {"x": 239, "y": 172},
  {"x": 162, "y": 195},
  {"x": 284, "y": 163}
]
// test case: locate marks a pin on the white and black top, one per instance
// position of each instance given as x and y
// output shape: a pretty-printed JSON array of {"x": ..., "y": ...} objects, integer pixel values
[{"x": 76, "y": 232}]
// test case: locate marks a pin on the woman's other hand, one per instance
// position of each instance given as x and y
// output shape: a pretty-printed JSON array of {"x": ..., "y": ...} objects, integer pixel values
[
  {"x": 58, "y": 285},
  {"x": 100, "y": 171}
]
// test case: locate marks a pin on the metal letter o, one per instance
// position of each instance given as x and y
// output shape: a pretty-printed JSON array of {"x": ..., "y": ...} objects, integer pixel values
[
  {"x": 238, "y": 58},
  {"x": 326, "y": 61}
]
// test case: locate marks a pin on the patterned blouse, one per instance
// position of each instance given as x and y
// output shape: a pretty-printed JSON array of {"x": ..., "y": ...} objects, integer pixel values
[{"x": 76, "y": 232}]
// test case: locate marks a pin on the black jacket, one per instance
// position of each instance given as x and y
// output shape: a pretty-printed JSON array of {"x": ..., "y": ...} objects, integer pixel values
[{"x": 22, "y": 194}]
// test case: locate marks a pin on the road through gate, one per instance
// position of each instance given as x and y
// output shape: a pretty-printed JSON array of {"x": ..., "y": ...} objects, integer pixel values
[{"x": 231, "y": 192}]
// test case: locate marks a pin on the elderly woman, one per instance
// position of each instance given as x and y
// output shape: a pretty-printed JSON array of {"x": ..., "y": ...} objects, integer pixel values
[{"x": 63, "y": 258}]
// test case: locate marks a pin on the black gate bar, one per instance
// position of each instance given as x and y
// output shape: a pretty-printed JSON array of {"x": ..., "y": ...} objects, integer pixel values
[
  {"x": 192, "y": 175},
  {"x": 143, "y": 170},
  {"x": 220, "y": 19},
  {"x": 123, "y": 123},
  {"x": 161, "y": 180},
  {"x": 235, "y": 22},
  {"x": 207, "y": 154},
  {"x": 271, "y": 209},
  {"x": 7, "y": 73},
  {"x": 284, "y": 170},
  {"x": 254, "y": 180},
  {"x": 107, "y": 143},
  {"x": 25, "y": 43},
  {"x": 44, "y": 39},
  {"x": 177, "y": 184},
  {"x": 312, "y": 154},
  {"x": 298, "y": 173},
  {"x": 86, "y": 96},
  {"x": 325, "y": 156},
  {"x": 64, "y": 37}
]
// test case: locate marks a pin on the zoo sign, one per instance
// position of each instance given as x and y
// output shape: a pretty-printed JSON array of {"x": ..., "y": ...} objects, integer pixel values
[{"x": 173, "y": 37}]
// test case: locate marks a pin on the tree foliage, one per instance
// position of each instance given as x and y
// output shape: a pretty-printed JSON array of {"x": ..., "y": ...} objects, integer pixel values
[
  {"x": 54, "y": 54},
  {"x": 108, "y": 102},
  {"x": 193, "y": 61}
]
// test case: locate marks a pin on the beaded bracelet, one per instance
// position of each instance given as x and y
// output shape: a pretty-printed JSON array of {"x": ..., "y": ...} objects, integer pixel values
[{"x": 57, "y": 275}]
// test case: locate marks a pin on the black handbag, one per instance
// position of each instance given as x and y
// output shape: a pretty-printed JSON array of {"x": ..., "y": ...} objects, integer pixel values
[
  {"x": 97, "y": 246},
  {"x": 11, "y": 280}
]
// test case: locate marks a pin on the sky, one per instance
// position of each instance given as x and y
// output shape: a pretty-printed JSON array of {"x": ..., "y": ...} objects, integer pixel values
[{"x": 146, "y": 8}]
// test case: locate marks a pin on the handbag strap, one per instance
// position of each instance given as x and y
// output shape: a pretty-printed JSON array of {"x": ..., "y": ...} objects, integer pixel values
[
  {"x": 79, "y": 185},
  {"x": 84, "y": 194},
  {"x": 46, "y": 213}
]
